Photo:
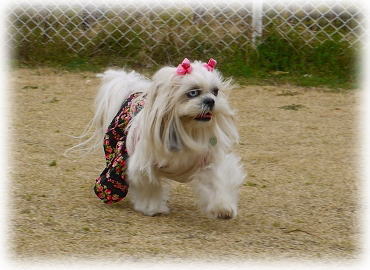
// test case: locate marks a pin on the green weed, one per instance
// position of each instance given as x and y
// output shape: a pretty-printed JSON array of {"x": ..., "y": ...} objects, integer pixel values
[
  {"x": 250, "y": 184},
  {"x": 292, "y": 107},
  {"x": 53, "y": 163}
]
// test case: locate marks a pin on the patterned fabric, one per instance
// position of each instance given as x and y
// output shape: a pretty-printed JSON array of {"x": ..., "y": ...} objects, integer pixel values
[{"x": 112, "y": 184}]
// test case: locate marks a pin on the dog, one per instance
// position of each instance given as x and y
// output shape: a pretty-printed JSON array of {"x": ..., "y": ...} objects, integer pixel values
[{"x": 177, "y": 126}]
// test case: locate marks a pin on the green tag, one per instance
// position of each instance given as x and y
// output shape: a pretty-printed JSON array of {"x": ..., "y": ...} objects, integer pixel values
[{"x": 213, "y": 141}]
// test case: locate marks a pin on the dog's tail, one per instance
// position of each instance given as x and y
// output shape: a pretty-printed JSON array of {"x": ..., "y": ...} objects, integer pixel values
[{"x": 117, "y": 85}]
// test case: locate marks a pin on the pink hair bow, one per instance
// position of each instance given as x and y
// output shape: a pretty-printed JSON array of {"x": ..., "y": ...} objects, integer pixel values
[
  {"x": 184, "y": 67},
  {"x": 211, "y": 64}
]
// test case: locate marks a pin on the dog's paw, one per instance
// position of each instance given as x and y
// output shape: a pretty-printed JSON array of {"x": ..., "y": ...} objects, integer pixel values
[
  {"x": 222, "y": 213},
  {"x": 225, "y": 214},
  {"x": 149, "y": 210},
  {"x": 164, "y": 210}
]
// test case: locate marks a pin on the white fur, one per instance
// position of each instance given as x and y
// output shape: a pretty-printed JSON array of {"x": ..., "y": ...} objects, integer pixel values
[
  {"x": 165, "y": 142},
  {"x": 117, "y": 85}
]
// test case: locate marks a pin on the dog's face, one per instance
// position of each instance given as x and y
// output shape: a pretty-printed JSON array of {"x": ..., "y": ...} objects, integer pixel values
[
  {"x": 184, "y": 109},
  {"x": 198, "y": 96}
]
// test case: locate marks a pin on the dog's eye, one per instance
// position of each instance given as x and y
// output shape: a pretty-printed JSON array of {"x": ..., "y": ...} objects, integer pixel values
[
  {"x": 193, "y": 93},
  {"x": 215, "y": 91}
]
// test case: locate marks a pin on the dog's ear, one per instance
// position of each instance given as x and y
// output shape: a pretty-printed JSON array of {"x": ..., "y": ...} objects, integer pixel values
[
  {"x": 169, "y": 132},
  {"x": 160, "y": 114},
  {"x": 227, "y": 132},
  {"x": 174, "y": 141}
]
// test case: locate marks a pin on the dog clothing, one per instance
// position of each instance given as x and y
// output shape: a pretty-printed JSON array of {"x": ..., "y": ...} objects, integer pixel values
[{"x": 112, "y": 185}]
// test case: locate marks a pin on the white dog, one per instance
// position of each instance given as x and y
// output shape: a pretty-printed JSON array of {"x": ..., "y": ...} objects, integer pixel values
[{"x": 177, "y": 126}]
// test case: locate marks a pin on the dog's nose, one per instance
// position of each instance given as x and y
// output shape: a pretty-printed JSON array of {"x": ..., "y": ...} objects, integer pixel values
[{"x": 209, "y": 102}]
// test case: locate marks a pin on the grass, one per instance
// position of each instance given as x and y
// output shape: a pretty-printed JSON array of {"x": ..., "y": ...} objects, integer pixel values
[
  {"x": 275, "y": 60},
  {"x": 292, "y": 107},
  {"x": 53, "y": 163},
  {"x": 250, "y": 184}
]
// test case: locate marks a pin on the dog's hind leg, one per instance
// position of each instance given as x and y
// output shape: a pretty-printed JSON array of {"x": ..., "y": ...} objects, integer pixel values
[
  {"x": 217, "y": 187},
  {"x": 148, "y": 197}
]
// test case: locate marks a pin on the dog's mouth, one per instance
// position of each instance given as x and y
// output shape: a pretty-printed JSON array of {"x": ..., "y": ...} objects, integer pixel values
[{"x": 204, "y": 117}]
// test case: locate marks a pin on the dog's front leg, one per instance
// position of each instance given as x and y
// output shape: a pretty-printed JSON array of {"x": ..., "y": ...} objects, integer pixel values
[
  {"x": 148, "y": 197},
  {"x": 217, "y": 187}
]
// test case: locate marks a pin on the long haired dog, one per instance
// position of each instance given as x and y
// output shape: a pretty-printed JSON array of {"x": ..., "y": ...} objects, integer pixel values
[{"x": 177, "y": 126}]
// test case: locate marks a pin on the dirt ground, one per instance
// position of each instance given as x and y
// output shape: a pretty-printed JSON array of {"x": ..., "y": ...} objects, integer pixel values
[{"x": 300, "y": 201}]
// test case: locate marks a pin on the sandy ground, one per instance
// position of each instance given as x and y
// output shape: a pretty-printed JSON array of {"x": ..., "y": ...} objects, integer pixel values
[{"x": 300, "y": 200}]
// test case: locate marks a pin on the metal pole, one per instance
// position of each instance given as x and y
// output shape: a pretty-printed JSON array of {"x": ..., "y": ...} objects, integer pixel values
[{"x": 257, "y": 21}]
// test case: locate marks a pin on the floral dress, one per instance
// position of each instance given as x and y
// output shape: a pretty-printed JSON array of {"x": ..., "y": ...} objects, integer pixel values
[{"x": 112, "y": 185}]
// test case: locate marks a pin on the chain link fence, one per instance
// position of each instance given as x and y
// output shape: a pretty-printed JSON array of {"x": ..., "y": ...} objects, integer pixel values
[{"x": 154, "y": 27}]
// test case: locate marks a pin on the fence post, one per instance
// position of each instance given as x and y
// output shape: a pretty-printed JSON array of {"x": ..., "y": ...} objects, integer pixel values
[{"x": 257, "y": 21}]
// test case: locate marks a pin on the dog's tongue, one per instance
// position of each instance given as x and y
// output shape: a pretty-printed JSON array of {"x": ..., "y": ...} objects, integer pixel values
[{"x": 206, "y": 116}]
